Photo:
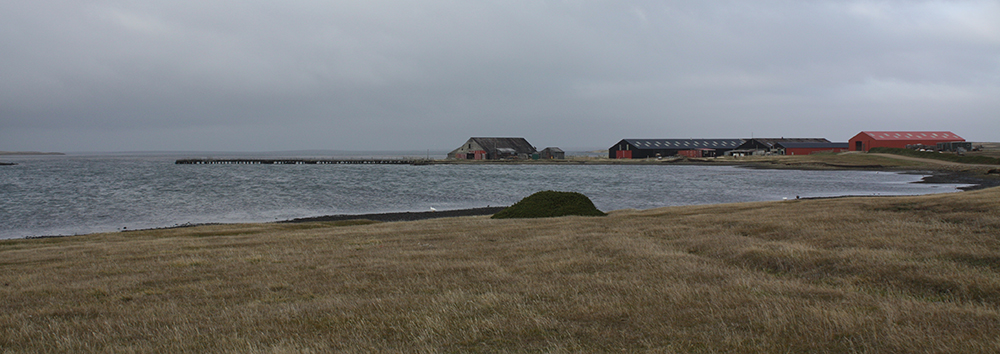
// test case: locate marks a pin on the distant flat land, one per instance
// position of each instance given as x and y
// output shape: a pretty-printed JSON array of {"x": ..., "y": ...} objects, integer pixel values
[
  {"x": 989, "y": 149},
  {"x": 30, "y": 153}
]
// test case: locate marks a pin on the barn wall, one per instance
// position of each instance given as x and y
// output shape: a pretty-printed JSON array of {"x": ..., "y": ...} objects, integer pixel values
[
  {"x": 807, "y": 151},
  {"x": 689, "y": 153},
  {"x": 869, "y": 143},
  {"x": 621, "y": 150},
  {"x": 469, "y": 148}
]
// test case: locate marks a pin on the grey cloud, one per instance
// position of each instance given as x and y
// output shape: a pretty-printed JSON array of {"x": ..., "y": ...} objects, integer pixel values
[{"x": 108, "y": 75}]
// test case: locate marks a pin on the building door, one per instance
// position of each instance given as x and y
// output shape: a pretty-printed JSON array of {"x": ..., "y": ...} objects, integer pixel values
[
  {"x": 859, "y": 146},
  {"x": 623, "y": 154}
]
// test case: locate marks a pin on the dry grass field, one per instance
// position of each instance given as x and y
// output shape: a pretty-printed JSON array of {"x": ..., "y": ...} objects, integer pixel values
[
  {"x": 989, "y": 149},
  {"x": 877, "y": 275},
  {"x": 829, "y": 161}
]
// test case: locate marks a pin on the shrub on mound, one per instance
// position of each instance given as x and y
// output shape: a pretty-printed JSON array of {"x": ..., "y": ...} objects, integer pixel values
[{"x": 550, "y": 204}]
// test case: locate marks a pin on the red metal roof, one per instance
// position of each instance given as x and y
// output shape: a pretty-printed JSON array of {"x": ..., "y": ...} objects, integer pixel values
[{"x": 914, "y": 136}]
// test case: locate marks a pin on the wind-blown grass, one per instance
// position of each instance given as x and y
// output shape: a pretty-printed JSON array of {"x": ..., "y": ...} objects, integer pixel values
[
  {"x": 985, "y": 160},
  {"x": 888, "y": 275}
]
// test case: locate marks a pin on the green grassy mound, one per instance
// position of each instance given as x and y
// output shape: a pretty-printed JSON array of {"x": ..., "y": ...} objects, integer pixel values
[
  {"x": 550, "y": 204},
  {"x": 985, "y": 160}
]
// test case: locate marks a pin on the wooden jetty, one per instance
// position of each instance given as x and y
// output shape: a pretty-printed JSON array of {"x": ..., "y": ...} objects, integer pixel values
[{"x": 299, "y": 161}]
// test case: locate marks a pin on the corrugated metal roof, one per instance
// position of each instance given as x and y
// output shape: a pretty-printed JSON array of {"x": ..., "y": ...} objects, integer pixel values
[
  {"x": 913, "y": 136},
  {"x": 684, "y": 144},
  {"x": 518, "y": 144},
  {"x": 800, "y": 145}
]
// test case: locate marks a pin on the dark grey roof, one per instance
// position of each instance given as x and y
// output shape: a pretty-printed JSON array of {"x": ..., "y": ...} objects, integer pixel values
[
  {"x": 684, "y": 144},
  {"x": 810, "y": 145},
  {"x": 518, "y": 144},
  {"x": 553, "y": 149}
]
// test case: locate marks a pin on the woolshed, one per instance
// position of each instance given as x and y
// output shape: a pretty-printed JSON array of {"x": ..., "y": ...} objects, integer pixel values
[
  {"x": 865, "y": 141},
  {"x": 798, "y": 148},
  {"x": 767, "y": 146},
  {"x": 493, "y": 149},
  {"x": 550, "y": 153},
  {"x": 647, "y": 148}
]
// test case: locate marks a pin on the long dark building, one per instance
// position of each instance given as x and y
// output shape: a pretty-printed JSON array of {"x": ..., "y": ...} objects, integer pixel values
[
  {"x": 646, "y": 148},
  {"x": 763, "y": 146}
]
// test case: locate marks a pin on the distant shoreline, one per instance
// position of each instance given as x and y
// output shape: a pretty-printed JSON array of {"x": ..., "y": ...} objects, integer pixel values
[
  {"x": 28, "y": 153},
  {"x": 380, "y": 217},
  {"x": 401, "y": 216}
]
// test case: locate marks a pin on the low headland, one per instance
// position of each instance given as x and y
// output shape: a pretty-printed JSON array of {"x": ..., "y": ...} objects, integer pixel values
[
  {"x": 24, "y": 153},
  {"x": 858, "y": 274},
  {"x": 28, "y": 153}
]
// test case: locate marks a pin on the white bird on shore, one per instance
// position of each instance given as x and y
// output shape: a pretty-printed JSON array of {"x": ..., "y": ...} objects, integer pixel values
[{"x": 432, "y": 209}]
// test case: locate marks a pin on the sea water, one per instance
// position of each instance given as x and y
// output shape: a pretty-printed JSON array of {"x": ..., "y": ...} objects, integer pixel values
[{"x": 78, "y": 194}]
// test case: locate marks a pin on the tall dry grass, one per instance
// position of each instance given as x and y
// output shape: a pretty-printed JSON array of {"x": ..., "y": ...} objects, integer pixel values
[{"x": 906, "y": 274}]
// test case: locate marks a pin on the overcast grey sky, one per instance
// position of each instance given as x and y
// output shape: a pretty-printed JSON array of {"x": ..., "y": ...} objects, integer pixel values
[{"x": 382, "y": 75}]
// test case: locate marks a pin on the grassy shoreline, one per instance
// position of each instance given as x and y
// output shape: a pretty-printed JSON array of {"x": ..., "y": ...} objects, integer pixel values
[
  {"x": 889, "y": 274},
  {"x": 983, "y": 176}
]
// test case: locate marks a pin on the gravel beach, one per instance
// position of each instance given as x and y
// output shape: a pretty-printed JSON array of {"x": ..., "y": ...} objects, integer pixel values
[{"x": 403, "y": 216}]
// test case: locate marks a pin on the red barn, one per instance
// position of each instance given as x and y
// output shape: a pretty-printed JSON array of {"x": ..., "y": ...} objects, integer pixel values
[{"x": 864, "y": 141}]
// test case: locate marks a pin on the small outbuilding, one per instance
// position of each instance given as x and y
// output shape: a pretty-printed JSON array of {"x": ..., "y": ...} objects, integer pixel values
[
  {"x": 867, "y": 140},
  {"x": 551, "y": 153},
  {"x": 955, "y": 146},
  {"x": 493, "y": 149}
]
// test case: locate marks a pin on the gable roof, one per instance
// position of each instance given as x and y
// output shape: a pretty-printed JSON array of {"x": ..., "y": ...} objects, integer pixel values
[
  {"x": 936, "y": 135},
  {"x": 519, "y": 145},
  {"x": 684, "y": 144}
]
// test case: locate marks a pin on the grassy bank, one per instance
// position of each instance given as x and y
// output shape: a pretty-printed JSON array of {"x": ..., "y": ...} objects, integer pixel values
[
  {"x": 900, "y": 274},
  {"x": 951, "y": 157}
]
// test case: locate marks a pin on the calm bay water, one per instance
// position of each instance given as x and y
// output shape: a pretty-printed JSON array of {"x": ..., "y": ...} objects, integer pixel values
[{"x": 66, "y": 195}]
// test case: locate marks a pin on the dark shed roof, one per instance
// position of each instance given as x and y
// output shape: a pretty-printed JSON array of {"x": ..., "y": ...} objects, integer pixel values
[{"x": 685, "y": 144}]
